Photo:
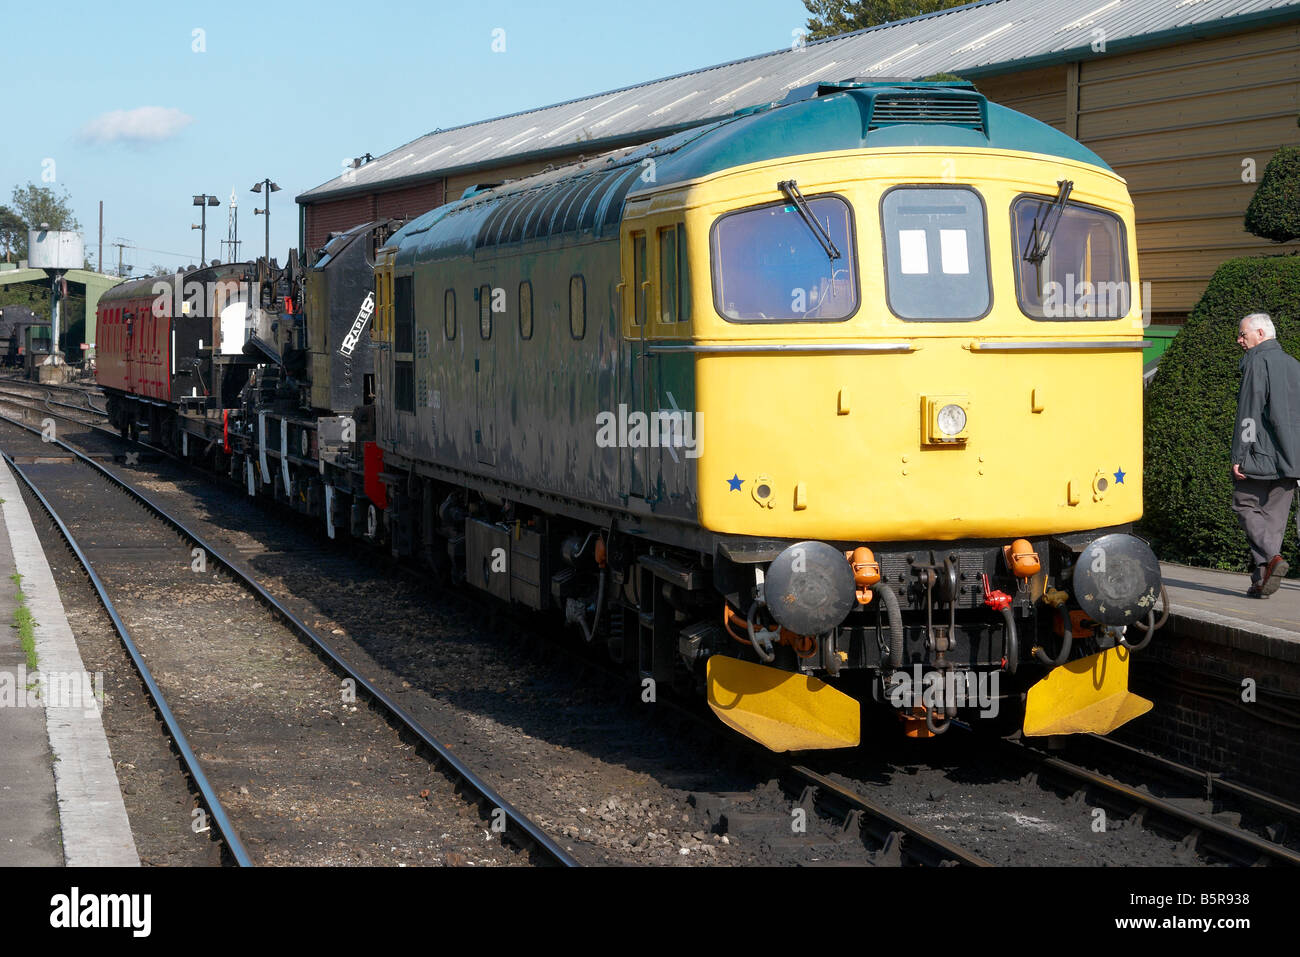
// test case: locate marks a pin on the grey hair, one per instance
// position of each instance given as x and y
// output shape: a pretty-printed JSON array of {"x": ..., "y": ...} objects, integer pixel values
[{"x": 1260, "y": 320}]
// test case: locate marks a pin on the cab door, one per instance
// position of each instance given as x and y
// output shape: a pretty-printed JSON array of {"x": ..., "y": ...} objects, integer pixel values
[{"x": 636, "y": 366}]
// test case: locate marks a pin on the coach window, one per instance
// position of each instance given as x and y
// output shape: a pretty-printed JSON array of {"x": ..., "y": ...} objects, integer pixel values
[
  {"x": 449, "y": 314},
  {"x": 485, "y": 312},
  {"x": 577, "y": 307},
  {"x": 525, "y": 310},
  {"x": 1073, "y": 268},
  {"x": 772, "y": 263},
  {"x": 639, "y": 277},
  {"x": 673, "y": 301},
  {"x": 936, "y": 253}
]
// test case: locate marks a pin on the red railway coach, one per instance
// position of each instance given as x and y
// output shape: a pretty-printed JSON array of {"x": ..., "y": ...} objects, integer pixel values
[
  {"x": 156, "y": 336},
  {"x": 134, "y": 344}
]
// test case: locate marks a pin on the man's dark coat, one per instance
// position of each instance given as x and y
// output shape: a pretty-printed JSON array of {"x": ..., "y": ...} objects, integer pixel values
[{"x": 1269, "y": 407}]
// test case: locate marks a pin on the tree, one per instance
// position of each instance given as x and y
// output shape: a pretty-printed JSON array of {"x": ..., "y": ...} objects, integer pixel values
[
  {"x": 832, "y": 17},
  {"x": 1274, "y": 211},
  {"x": 13, "y": 234},
  {"x": 32, "y": 206}
]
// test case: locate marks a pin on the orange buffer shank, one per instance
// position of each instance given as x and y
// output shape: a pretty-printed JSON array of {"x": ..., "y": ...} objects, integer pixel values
[{"x": 866, "y": 572}]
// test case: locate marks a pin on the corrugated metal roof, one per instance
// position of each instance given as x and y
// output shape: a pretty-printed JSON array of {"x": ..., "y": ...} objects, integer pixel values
[{"x": 984, "y": 37}]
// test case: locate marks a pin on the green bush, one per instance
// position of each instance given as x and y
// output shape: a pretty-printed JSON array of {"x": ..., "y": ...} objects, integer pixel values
[
  {"x": 1274, "y": 211},
  {"x": 1191, "y": 405}
]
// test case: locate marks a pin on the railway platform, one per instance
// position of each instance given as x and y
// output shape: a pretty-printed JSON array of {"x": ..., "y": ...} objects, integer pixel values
[
  {"x": 60, "y": 802},
  {"x": 1212, "y": 605}
]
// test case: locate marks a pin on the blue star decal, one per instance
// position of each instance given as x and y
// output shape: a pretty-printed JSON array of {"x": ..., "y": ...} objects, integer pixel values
[
  {"x": 735, "y": 482},
  {"x": 1119, "y": 477}
]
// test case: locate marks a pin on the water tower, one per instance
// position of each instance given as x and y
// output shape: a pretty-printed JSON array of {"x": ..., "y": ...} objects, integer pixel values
[{"x": 56, "y": 252}]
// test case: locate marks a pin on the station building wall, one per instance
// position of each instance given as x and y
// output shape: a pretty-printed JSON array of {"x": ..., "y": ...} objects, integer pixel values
[{"x": 1179, "y": 123}]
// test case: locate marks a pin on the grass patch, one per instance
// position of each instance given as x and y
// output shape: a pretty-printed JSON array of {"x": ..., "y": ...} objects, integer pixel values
[{"x": 25, "y": 624}]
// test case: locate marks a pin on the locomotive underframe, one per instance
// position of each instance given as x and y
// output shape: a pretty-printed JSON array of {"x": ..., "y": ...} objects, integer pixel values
[{"x": 660, "y": 610}]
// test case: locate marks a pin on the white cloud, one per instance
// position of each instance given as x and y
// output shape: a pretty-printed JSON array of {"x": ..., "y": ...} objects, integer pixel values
[{"x": 144, "y": 124}]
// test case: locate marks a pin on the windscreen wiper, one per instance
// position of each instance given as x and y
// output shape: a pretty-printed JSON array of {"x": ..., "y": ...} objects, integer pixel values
[
  {"x": 791, "y": 190},
  {"x": 1040, "y": 237}
]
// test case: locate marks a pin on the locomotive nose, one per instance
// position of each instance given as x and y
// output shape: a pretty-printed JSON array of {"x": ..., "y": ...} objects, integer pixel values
[{"x": 809, "y": 588}]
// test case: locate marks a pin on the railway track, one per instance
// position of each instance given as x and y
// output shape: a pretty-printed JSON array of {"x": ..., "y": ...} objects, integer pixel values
[
  {"x": 1195, "y": 824},
  {"x": 1115, "y": 795},
  {"x": 888, "y": 836},
  {"x": 1194, "y": 819},
  {"x": 1210, "y": 791},
  {"x": 90, "y": 417},
  {"x": 892, "y": 837},
  {"x": 901, "y": 840},
  {"x": 45, "y": 390},
  {"x": 140, "y": 567}
]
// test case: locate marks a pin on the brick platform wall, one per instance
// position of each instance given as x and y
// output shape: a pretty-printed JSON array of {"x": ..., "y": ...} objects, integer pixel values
[{"x": 1193, "y": 672}]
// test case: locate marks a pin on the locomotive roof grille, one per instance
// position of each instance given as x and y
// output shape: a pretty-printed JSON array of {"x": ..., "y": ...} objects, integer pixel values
[
  {"x": 585, "y": 204},
  {"x": 891, "y": 109}
]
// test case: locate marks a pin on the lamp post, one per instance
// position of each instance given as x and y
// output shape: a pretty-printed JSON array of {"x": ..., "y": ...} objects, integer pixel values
[
  {"x": 270, "y": 188},
  {"x": 203, "y": 202}
]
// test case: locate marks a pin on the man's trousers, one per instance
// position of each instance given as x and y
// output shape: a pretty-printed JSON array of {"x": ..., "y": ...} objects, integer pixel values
[{"x": 1262, "y": 507}]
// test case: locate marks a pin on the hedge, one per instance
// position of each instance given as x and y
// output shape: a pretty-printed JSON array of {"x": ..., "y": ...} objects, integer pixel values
[
  {"x": 1274, "y": 210},
  {"x": 1190, "y": 409}
]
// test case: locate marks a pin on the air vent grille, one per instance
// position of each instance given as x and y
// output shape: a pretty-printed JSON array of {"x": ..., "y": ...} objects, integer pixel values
[{"x": 948, "y": 110}]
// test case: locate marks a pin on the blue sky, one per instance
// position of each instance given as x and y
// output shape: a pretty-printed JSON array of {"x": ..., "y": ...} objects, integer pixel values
[{"x": 129, "y": 104}]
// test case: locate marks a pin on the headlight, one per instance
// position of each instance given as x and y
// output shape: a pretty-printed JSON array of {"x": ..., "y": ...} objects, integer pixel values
[{"x": 952, "y": 419}]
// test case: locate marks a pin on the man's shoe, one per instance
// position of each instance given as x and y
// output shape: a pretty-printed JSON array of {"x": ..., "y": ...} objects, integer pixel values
[
  {"x": 1254, "y": 591},
  {"x": 1274, "y": 574}
]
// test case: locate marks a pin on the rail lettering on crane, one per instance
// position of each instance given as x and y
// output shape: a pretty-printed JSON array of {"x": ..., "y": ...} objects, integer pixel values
[{"x": 358, "y": 326}]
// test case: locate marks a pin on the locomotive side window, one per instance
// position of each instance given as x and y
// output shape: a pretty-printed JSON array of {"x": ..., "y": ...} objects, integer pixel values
[
  {"x": 449, "y": 314},
  {"x": 577, "y": 307},
  {"x": 771, "y": 265},
  {"x": 380, "y": 330},
  {"x": 403, "y": 387},
  {"x": 936, "y": 253},
  {"x": 1076, "y": 269},
  {"x": 525, "y": 310},
  {"x": 640, "y": 278},
  {"x": 403, "y": 315},
  {"x": 674, "y": 303},
  {"x": 386, "y": 298},
  {"x": 485, "y": 312}
]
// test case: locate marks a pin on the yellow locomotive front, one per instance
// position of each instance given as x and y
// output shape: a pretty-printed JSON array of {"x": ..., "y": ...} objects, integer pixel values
[
  {"x": 931, "y": 382},
  {"x": 916, "y": 369}
]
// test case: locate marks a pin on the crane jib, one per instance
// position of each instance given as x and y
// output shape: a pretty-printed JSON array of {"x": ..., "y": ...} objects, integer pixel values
[{"x": 358, "y": 326}]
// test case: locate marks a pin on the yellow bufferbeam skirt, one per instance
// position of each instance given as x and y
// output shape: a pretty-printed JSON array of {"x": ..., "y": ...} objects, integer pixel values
[
  {"x": 1090, "y": 694},
  {"x": 781, "y": 710}
]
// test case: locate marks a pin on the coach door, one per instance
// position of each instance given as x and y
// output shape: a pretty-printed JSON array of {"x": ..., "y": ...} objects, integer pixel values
[
  {"x": 130, "y": 336},
  {"x": 636, "y": 366}
]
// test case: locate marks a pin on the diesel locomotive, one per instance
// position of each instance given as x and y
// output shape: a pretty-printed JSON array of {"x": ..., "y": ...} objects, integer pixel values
[{"x": 836, "y": 400}]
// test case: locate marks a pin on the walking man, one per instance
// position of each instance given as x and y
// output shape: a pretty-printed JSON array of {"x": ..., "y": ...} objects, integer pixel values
[{"x": 1265, "y": 449}]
